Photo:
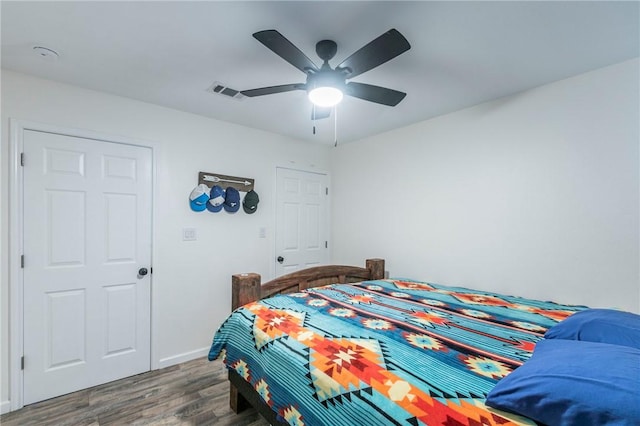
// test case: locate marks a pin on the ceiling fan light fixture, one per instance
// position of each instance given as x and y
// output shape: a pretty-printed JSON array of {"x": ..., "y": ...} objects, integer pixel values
[
  {"x": 324, "y": 88},
  {"x": 326, "y": 96}
]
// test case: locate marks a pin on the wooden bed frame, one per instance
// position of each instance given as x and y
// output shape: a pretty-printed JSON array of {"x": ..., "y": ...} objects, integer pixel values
[{"x": 247, "y": 288}]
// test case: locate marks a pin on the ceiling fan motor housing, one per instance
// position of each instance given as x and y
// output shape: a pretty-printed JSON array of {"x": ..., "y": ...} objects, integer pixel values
[
  {"x": 328, "y": 78},
  {"x": 326, "y": 49}
]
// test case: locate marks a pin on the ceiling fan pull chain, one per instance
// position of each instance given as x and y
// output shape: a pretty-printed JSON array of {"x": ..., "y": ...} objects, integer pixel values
[
  {"x": 335, "y": 125},
  {"x": 313, "y": 106}
]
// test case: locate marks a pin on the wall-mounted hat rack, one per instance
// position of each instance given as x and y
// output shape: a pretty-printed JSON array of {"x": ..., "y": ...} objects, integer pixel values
[{"x": 242, "y": 184}]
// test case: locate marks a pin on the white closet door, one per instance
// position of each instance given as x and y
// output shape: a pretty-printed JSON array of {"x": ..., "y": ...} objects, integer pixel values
[{"x": 87, "y": 234}]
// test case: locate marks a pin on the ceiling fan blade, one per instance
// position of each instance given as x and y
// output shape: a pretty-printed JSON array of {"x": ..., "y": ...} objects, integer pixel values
[
  {"x": 273, "y": 89},
  {"x": 382, "y": 49},
  {"x": 377, "y": 94},
  {"x": 318, "y": 113},
  {"x": 285, "y": 49}
]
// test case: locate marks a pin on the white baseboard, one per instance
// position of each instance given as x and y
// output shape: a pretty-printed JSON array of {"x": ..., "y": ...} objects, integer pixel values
[
  {"x": 5, "y": 407},
  {"x": 184, "y": 357}
]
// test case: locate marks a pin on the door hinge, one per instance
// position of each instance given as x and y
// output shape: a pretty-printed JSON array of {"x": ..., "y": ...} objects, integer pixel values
[
  {"x": 326, "y": 190},
  {"x": 326, "y": 244},
  {"x": 22, "y": 159},
  {"x": 22, "y": 261},
  {"x": 22, "y": 363},
  {"x": 151, "y": 270}
]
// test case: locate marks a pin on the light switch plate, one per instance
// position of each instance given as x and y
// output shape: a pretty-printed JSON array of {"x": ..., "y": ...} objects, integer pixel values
[{"x": 189, "y": 234}]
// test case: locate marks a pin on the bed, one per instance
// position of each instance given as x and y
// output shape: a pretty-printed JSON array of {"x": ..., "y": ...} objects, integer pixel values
[{"x": 341, "y": 345}]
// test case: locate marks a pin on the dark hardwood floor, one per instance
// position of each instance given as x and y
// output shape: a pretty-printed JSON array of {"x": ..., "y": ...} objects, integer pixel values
[{"x": 193, "y": 393}]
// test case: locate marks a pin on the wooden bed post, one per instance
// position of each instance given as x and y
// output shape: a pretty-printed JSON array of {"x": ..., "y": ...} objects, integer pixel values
[
  {"x": 376, "y": 268},
  {"x": 237, "y": 402},
  {"x": 245, "y": 288}
]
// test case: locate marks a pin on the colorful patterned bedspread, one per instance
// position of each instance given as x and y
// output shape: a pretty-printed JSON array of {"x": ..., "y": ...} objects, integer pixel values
[{"x": 386, "y": 352}]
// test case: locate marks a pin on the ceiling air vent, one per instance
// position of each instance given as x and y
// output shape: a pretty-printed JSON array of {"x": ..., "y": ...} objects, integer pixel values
[{"x": 218, "y": 88}]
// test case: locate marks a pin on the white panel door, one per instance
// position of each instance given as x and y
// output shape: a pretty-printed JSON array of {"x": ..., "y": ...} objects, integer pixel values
[
  {"x": 87, "y": 233},
  {"x": 301, "y": 220}
]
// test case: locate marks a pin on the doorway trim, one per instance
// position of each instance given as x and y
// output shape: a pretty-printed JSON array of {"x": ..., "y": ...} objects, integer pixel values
[{"x": 17, "y": 128}]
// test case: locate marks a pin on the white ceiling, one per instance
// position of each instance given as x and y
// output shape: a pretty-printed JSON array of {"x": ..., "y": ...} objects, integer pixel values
[{"x": 462, "y": 54}]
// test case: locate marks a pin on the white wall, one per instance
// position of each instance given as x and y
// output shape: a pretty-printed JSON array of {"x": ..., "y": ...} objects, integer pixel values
[
  {"x": 191, "y": 280},
  {"x": 535, "y": 194}
]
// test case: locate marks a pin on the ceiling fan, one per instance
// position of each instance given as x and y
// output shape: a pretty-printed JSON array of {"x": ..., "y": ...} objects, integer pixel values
[{"x": 325, "y": 85}]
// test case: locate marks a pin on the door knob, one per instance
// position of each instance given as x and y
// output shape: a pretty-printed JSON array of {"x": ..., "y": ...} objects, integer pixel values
[
  {"x": 142, "y": 272},
  {"x": 280, "y": 259}
]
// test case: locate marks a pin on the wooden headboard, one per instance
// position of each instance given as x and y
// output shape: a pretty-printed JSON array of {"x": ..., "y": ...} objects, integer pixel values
[{"x": 248, "y": 288}]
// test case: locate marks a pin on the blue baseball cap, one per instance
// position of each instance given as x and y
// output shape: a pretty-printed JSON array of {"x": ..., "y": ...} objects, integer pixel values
[
  {"x": 199, "y": 197},
  {"x": 216, "y": 199},
  {"x": 232, "y": 200}
]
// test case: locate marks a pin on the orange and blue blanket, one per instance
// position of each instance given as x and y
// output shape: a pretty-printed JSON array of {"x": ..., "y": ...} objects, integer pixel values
[{"x": 385, "y": 352}]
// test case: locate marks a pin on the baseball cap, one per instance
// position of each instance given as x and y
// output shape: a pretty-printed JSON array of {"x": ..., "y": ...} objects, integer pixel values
[
  {"x": 232, "y": 200},
  {"x": 199, "y": 197},
  {"x": 216, "y": 199},
  {"x": 250, "y": 203}
]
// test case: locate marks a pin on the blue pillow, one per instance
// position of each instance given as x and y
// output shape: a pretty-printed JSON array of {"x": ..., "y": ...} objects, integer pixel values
[
  {"x": 599, "y": 325},
  {"x": 568, "y": 382}
]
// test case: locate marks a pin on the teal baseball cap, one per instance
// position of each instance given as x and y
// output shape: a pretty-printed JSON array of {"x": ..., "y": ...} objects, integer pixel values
[{"x": 199, "y": 197}]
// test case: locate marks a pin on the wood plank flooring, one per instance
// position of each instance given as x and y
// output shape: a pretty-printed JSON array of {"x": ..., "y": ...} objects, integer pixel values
[{"x": 193, "y": 393}]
